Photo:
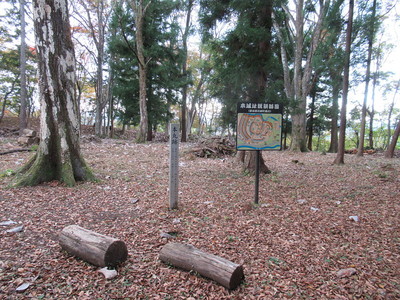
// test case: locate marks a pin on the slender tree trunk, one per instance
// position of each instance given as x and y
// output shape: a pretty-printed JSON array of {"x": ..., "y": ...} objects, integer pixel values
[
  {"x": 333, "y": 148},
  {"x": 58, "y": 156},
  {"x": 390, "y": 151},
  {"x": 311, "y": 121},
  {"x": 3, "y": 109},
  {"x": 140, "y": 11},
  {"x": 389, "y": 129},
  {"x": 23, "y": 119},
  {"x": 342, "y": 135},
  {"x": 360, "y": 149},
  {"x": 101, "y": 102},
  {"x": 184, "y": 132},
  {"x": 371, "y": 116}
]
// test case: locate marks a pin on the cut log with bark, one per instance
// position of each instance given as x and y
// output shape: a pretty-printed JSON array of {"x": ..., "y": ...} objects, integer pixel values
[
  {"x": 189, "y": 258},
  {"x": 97, "y": 249}
]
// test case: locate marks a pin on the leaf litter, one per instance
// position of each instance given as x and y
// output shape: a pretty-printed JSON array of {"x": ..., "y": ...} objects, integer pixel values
[{"x": 288, "y": 251}]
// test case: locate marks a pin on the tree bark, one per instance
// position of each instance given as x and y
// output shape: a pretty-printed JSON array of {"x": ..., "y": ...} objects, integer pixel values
[
  {"x": 342, "y": 135},
  {"x": 184, "y": 132},
  {"x": 23, "y": 118},
  {"x": 189, "y": 258},
  {"x": 58, "y": 156},
  {"x": 298, "y": 87},
  {"x": 248, "y": 160},
  {"x": 360, "y": 149},
  {"x": 140, "y": 10},
  {"x": 97, "y": 249},
  {"x": 389, "y": 153},
  {"x": 311, "y": 120},
  {"x": 333, "y": 148}
]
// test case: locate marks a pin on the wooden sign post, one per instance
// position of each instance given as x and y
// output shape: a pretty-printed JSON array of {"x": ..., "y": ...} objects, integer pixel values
[{"x": 173, "y": 165}]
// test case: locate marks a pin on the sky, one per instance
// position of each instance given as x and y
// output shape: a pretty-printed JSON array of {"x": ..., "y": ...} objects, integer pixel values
[{"x": 390, "y": 63}]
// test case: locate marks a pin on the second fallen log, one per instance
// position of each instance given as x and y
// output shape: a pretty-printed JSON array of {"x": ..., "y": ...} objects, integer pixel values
[
  {"x": 97, "y": 249},
  {"x": 189, "y": 258}
]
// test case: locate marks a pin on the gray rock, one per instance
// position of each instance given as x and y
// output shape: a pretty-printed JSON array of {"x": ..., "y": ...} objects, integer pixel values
[{"x": 16, "y": 229}]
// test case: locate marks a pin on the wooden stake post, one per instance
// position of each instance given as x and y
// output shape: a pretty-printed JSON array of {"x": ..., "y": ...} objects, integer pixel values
[{"x": 173, "y": 166}]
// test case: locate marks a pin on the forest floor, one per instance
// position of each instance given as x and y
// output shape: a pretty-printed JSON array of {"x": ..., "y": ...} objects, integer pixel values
[{"x": 291, "y": 245}]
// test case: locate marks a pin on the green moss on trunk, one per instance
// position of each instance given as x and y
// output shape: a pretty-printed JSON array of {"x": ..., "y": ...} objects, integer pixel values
[{"x": 42, "y": 169}]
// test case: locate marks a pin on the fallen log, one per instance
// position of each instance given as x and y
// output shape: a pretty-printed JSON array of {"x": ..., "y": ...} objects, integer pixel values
[
  {"x": 15, "y": 150},
  {"x": 189, "y": 258},
  {"x": 97, "y": 249}
]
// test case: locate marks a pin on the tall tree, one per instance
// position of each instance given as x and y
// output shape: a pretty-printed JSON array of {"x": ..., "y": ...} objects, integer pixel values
[
  {"x": 58, "y": 156},
  {"x": 298, "y": 73},
  {"x": 92, "y": 17},
  {"x": 389, "y": 153},
  {"x": 244, "y": 62},
  {"x": 390, "y": 150},
  {"x": 370, "y": 38},
  {"x": 161, "y": 37},
  {"x": 23, "y": 118},
  {"x": 140, "y": 7},
  {"x": 189, "y": 7},
  {"x": 342, "y": 134}
]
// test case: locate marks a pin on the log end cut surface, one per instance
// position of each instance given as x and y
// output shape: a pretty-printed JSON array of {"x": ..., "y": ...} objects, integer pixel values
[{"x": 116, "y": 254}]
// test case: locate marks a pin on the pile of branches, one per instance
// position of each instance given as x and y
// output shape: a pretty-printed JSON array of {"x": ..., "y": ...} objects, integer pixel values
[
  {"x": 8, "y": 132},
  {"x": 214, "y": 147}
]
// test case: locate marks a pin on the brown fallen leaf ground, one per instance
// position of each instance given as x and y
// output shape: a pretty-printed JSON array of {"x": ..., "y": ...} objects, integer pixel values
[{"x": 290, "y": 248}]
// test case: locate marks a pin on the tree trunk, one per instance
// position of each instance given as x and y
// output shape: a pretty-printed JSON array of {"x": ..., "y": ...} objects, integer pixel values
[
  {"x": 58, "y": 156},
  {"x": 311, "y": 121},
  {"x": 140, "y": 10},
  {"x": 97, "y": 249},
  {"x": 5, "y": 98},
  {"x": 390, "y": 113},
  {"x": 371, "y": 34},
  {"x": 298, "y": 142},
  {"x": 298, "y": 87},
  {"x": 248, "y": 160},
  {"x": 389, "y": 153},
  {"x": 342, "y": 135},
  {"x": 189, "y": 258},
  {"x": 23, "y": 119},
  {"x": 333, "y": 148},
  {"x": 184, "y": 132}
]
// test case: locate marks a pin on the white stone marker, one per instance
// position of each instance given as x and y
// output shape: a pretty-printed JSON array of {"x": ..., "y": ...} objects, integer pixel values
[{"x": 173, "y": 165}]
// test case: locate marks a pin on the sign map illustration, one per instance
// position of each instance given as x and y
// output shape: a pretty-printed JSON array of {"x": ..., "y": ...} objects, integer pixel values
[{"x": 259, "y": 126}]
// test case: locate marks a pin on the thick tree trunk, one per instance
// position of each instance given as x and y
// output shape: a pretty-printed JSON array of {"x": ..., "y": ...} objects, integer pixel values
[
  {"x": 342, "y": 137},
  {"x": 298, "y": 142},
  {"x": 95, "y": 248},
  {"x": 189, "y": 258},
  {"x": 58, "y": 156},
  {"x": 248, "y": 160}
]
